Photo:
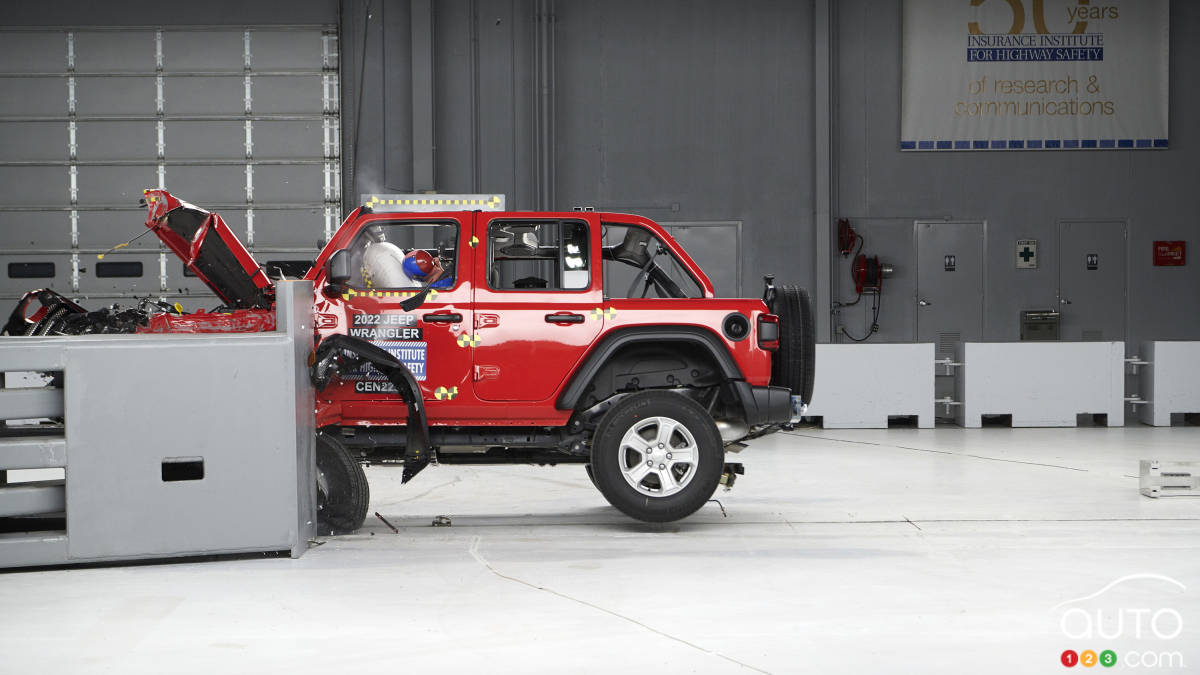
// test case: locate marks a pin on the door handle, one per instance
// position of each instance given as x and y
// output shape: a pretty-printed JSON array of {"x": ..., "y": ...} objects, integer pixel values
[
  {"x": 441, "y": 318},
  {"x": 1064, "y": 301},
  {"x": 564, "y": 318},
  {"x": 924, "y": 303}
]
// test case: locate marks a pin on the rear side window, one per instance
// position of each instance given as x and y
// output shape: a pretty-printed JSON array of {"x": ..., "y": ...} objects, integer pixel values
[
  {"x": 538, "y": 255},
  {"x": 638, "y": 265},
  {"x": 392, "y": 255}
]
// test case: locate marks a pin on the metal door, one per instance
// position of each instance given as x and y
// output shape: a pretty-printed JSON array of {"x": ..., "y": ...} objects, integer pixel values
[
  {"x": 717, "y": 248},
  {"x": 950, "y": 274},
  {"x": 240, "y": 120},
  {"x": 1091, "y": 279}
]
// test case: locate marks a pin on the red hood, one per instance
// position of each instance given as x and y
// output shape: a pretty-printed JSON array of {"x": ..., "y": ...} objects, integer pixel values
[{"x": 210, "y": 249}]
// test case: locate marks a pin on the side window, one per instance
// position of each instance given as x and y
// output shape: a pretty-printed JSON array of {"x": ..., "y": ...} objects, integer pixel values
[
  {"x": 402, "y": 254},
  {"x": 538, "y": 255},
  {"x": 638, "y": 265}
]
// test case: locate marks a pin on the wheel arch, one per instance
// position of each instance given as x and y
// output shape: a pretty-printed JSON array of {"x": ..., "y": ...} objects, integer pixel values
[{"x": 621, "y": 340}]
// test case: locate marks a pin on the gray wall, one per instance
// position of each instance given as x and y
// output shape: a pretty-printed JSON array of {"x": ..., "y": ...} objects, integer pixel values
[
  {"x": 704, "y": 111},
  {"x": 692, "y": 111},
  {"x": 1021, "y": 195},
  {"x": 680, "y": 111}
]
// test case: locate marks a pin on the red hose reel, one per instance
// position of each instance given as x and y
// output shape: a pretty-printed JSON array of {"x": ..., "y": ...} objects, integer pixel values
[{"x": 868, "y": 273}]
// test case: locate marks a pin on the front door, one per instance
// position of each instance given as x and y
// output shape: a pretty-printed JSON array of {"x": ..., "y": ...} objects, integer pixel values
[
  {"x": 425, "y": 339},
  {"x": 537, "y": 301}
]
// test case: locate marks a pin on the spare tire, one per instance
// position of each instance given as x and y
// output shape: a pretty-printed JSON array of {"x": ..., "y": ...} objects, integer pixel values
[{"x": 794, "y": 364}]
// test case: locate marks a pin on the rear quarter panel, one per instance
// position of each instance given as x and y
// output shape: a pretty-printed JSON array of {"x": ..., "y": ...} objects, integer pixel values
[{"x": 706, "y": 313}]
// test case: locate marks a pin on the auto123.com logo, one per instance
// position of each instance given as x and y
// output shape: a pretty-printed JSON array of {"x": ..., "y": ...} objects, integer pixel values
[{"x": 1131, "y": 622}]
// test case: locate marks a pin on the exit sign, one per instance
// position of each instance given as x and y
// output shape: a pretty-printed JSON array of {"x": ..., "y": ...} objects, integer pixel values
[{"x": 1170, "y": 253}]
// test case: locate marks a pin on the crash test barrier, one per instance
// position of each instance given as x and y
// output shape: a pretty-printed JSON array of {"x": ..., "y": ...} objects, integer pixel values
[
  {"x": 167, "y": 445},
  {"x": 1039, "y": 384},
  {"x": 1168, "y": 381},
  {"x": 862, "y": 386},
  {"x": 1026, "y": 384}
]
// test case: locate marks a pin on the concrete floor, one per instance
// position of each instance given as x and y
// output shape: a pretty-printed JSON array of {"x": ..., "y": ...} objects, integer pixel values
[{"x": 910, "y": 551}]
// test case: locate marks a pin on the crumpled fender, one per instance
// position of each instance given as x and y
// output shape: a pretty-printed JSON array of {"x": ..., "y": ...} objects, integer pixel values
[
  {"x": 237, "y": 321},
  {"x": 21, "y": 323},
  {"x": 339, "y": 354}
]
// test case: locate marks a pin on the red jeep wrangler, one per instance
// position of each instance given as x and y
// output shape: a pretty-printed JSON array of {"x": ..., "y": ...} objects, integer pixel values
[{"x": 494, "y": 338}]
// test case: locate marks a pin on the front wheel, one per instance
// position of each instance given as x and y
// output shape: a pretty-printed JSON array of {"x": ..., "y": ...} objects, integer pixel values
[
  {"x": 657, "y": 456},
  {"x": 342, "y": 490}
]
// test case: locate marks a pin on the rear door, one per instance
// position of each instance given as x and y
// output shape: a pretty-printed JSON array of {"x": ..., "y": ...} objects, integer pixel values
[
  {"x": 537, "y": 303},
  {"x": 425, "y": 339}
]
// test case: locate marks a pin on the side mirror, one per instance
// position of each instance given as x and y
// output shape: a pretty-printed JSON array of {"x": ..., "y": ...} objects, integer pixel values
[{"x": 337, "y": 270}]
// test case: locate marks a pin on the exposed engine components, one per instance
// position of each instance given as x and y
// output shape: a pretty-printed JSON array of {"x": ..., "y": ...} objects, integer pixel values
[{"x": 46, "y": 312}]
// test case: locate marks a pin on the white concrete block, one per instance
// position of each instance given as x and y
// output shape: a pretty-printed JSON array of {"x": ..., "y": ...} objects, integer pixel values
[
  {"x": 1171, "y": 382},
  {"x": 1041, "y": 384},
  {"x": 859, "y": 386}
]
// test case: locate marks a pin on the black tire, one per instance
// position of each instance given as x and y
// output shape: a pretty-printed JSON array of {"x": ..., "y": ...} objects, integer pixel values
[
  {"x": 794, "y": 365},
  {"x": 615, "y": 464},
  {"x": 591, "y": 476},
  {"x": 342, "y": 490}
]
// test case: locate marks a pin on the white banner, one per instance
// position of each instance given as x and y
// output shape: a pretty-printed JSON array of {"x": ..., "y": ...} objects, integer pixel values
[{"x": 1034, "y": 74}]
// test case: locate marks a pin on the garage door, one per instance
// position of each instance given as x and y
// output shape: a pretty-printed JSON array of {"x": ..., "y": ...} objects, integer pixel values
[{"x": 242, "y": 121}]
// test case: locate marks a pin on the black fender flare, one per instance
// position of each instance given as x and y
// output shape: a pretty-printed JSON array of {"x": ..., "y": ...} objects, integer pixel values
[
  {"x": 340, "y": 353},
  {"x": 623, "y": 337}
]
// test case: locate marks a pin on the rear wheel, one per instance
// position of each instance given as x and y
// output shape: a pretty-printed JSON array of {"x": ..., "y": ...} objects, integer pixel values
[
  {"x": 657, "y": 456},
  {"x": 794, "y": 365},
  {"x": 342, "y": 490}
]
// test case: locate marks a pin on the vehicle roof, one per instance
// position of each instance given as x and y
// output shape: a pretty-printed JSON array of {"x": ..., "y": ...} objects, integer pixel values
[{"x": 525, "y": 214}]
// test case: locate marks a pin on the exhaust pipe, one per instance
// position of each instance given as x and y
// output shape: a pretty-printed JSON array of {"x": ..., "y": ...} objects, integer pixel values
[{"x": 732, "y": 430}]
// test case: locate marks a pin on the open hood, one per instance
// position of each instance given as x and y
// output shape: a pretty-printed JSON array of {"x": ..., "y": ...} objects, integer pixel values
[{"x": 209, "y": 249}]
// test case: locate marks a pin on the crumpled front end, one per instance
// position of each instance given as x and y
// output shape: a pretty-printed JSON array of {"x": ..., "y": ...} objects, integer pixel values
[
  {"x": 206, "y": 246},
  {"x": 237, "y": 321}
]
